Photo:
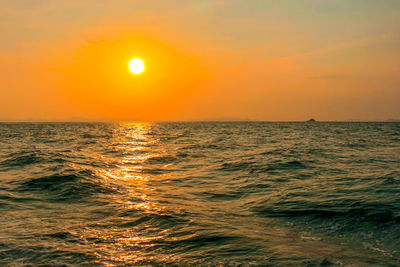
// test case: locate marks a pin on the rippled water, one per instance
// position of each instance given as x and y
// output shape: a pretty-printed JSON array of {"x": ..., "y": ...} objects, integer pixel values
[{"x": 253, "y": 193}]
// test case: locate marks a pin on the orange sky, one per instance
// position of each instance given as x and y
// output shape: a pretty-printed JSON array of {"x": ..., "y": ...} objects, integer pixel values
[{"x": 262, "y": 60}]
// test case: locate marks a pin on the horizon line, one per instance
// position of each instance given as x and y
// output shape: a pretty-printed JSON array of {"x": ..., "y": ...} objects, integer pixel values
[{"x": 239, "y": 120}]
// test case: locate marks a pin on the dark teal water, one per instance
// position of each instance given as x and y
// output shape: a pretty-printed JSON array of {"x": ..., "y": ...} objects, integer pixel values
[{"x": 181, "y": 194}]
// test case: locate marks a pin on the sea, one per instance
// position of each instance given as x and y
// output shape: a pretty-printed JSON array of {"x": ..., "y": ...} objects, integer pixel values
[{"x": 200, "y": 194}]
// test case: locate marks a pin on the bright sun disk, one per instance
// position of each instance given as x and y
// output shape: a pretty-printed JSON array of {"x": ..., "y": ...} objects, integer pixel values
[{"x": 136, "y": 66}]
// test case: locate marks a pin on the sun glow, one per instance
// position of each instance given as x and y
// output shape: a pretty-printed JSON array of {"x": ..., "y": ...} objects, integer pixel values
[
  {"x": 149, "y": 84},
  {"x": 136, "y": 66}
]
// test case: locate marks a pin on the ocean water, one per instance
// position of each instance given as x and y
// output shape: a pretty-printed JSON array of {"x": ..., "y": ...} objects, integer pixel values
[{"x": 200, "y": 193}]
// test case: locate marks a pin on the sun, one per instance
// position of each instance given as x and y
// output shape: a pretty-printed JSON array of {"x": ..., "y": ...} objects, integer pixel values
[{"x": 136, "y": 65}]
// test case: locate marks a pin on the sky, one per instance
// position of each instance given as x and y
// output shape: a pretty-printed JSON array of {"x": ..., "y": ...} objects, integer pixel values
[{"x": 287, "y": 60}]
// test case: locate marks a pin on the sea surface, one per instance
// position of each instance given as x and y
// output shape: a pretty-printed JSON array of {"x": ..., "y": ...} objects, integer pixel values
[{"x": 200, "y": 194}]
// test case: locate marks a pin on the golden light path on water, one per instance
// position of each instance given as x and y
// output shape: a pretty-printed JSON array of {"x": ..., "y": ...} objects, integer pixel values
[{"x": 132, "y": 143}]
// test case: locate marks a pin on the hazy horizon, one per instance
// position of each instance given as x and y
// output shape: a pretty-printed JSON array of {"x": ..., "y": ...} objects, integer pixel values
[{"x": 216, "y": 119}]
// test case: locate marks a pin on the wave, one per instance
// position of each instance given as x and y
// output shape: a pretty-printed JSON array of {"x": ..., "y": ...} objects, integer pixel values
[
  {"x": 156, "y": 220},
  {"x": 64, "y": 186},
  {"x": 21, "y": 159},
  {"x": 253, "y": 167},
  {"x": 161, "y": 159},
  {"x": 27, "y": 158},
  {"x": 236, "y": 166},
  {"x": 372, "y": 213}
]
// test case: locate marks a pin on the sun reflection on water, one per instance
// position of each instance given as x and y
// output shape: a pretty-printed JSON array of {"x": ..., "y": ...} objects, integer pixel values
[{"x": 119, "y": 241}]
